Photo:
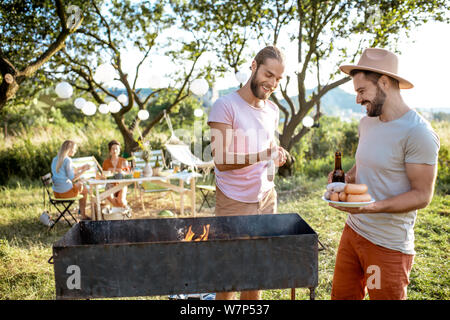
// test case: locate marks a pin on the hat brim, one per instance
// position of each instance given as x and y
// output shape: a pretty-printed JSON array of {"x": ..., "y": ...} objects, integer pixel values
[{"x": 403, "y": 83}]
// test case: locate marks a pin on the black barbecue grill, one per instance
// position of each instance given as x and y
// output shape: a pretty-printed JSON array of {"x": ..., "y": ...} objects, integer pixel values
[{"x": 145, "y": 257}]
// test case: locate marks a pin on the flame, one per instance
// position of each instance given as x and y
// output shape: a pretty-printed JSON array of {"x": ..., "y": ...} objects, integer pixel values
[{"x": 190, "y": 235}]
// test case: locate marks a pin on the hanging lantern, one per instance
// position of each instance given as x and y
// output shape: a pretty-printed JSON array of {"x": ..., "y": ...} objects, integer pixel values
[
  {"x": 103, "y": 108},
  {"x": 155, "y": 81},
  {"x": 123, "y": 99},
  {"x": 105, "y": 73},
  {"x": 241, "y": 76},
  {"x": 64, "y": 90},
  {"x": 143, "y": 114},
  {"x": 89, "y": 108},
  {"x": 308, "y": 121},
  {"x": 79, "y": 103},
  {"x": 198, "y": 113},
  {"x": 199, "y": 87},
  {"x": 114, "y": 107}
]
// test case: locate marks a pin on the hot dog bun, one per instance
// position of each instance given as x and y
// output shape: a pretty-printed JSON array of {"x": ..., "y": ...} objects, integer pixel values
[
  {"x": 359, "y": 197},
  {"x": 353, "y": 188}
]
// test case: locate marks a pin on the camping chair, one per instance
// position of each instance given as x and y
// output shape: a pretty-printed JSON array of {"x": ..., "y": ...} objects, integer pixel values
[
  {"x": 61, "y": 205},
  {"x": 148, "y": 187},
  {"x": 207, "y": 187}
]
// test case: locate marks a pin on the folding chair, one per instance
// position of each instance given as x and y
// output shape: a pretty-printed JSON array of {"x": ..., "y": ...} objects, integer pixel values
[
  {"x": 207, "y": 188},
  {"x": 61, "y": 205}
]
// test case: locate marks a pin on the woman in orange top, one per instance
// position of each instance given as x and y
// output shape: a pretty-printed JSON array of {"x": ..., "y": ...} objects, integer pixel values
[{"x": 116, "y": 164}]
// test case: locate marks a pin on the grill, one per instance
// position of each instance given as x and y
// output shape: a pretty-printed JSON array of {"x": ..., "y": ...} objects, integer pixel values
[{"x": 145, "y": 257}]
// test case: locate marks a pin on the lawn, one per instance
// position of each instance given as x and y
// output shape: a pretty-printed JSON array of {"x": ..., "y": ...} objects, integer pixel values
[{"x": 25, "y": 245}]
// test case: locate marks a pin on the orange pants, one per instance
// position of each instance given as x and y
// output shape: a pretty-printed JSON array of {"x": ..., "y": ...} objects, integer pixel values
[
  {"x": 72, "y": 193},
  {"x": 364, "y": 266}
]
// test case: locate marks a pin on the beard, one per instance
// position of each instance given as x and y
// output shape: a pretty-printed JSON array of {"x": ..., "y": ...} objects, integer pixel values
[
  {"x": 375, "y": 107},
  {"x": 255, "y": 86}
]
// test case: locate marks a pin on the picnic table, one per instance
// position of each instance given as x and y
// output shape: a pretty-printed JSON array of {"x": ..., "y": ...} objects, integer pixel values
[{"x": 163, "y": 180}]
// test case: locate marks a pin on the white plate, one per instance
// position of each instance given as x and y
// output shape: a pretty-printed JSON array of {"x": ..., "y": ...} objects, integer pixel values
[{"x": 349, "y": 204}]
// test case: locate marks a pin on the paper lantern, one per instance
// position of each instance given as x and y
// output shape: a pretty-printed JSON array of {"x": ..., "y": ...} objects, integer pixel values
[
  {"x": 241, "y": 77},
  {"x": 64, "y": 90},
  {"x": 104, "y": 73},
  {"x": 103, "y": 108},
  {"x": 198, "y": 113},
  {"x": 89, "y": 108},
  {"x": 79, "y": 103},
  {"x": 308, "y": 121},
  {"x": 123, "y": 99},
  {"x": 143, "y": 114},
  {"x": 199, "y": 87},
  {"x": 114, "y": 107},
  {"x": 155, "y": 81}
]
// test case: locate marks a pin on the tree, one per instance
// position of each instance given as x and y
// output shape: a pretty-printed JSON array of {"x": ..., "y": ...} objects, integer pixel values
[
  {"x": 323, "y": 31},
  {"x": 111, "y": 29},
  {"x": 31, "y": 32}
]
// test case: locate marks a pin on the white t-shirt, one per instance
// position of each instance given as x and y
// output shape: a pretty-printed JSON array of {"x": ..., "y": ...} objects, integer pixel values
[{"x": 383, "y": 150}]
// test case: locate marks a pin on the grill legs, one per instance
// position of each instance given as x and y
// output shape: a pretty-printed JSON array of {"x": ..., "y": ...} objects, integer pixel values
[{"x": 312, "y": 293}]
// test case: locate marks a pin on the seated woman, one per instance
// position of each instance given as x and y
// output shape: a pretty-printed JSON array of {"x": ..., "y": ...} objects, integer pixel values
[
  {"x": 116, "y": 164},
  {"x": 64, "y": 176}
]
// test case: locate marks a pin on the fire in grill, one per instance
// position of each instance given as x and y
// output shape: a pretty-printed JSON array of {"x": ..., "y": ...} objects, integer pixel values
[{"x": 173, "y": 256}]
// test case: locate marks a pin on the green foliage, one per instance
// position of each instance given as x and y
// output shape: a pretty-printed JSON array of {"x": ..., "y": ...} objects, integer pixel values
[
  {"x": 443, "y": 178},
  {"x": 181, "y": 116},
  {"x": 314, "y": 154}
]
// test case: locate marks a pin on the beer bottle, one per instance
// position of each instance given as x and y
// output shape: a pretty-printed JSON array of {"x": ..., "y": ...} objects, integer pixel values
[{"x": 338, "y": 173}]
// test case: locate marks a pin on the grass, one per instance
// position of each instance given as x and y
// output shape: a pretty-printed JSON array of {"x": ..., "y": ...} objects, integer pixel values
[{"x": 25, "y": 245}]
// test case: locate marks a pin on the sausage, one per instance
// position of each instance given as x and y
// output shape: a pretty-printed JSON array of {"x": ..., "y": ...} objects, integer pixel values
[
  {"x": 342, "y": 196},
  {"x": 334, "y": 196},
  {"x": 336, "y": 187},
  {"x": 353, "y": 188},
  {"x": 359, "y": 197}
]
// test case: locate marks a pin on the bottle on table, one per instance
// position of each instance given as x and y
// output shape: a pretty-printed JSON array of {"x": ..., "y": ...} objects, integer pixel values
[{"x": 338, "y": 173}]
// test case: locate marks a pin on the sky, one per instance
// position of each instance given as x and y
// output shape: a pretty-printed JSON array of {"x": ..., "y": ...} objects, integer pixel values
[
  {"x": 426, "y": 63},
  {"x": 424, "y": 60}
]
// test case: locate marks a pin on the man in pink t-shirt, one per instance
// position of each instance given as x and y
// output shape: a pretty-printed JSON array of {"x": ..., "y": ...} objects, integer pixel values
[{"x": 243, "y": 126}]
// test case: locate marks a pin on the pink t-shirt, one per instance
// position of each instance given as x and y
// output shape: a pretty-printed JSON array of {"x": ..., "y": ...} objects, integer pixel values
[{"x": 253, "y": 129}]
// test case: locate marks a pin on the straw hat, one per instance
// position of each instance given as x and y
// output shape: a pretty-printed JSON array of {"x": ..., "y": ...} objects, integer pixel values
[{"x": 380, "y": 61}]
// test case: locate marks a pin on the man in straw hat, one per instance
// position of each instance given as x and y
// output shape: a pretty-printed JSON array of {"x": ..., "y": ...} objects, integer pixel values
[{"x": 396, "y": 158}]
